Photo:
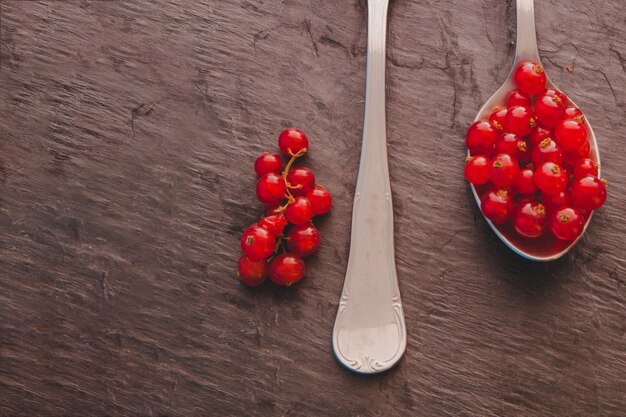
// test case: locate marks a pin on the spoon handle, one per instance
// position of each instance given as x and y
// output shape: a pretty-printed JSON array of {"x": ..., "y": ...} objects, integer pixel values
[
  {"x": 526, "y": 45},
  {"x": 369, "y": 334}
]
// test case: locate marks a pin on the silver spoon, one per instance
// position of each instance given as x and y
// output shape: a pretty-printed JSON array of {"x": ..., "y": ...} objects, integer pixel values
[
  {"x": 526, "y": 50},
  {"x": 369, "y": 334}
]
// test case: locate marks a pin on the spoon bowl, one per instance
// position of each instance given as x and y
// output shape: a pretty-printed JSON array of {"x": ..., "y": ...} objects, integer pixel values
[{"x": 546, "y": 247}]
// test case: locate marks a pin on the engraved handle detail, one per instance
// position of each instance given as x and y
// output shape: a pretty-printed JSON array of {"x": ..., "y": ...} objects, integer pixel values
[{"x": 369, "y": 334}]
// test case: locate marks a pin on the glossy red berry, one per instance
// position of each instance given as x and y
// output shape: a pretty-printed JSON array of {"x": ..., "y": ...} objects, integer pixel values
[
  {"x": 554, "y": 202},
  {"x": 275, "y": 223},
  {"x": 497, "y": 205},
  {"x": 303, "y": 239},
  {"x": 567, "y": 223},
  {"x": 477, "y": 169},
  {"x": 585, "y": 167},
  {"x": 588, "y": 193},
  {"x": 525, "y": 183},
  {"x": 530, "y": 78},
  {"x": 301, "y": 180},
  {"x": 550, "y": 178},
  {"x": 546, "y": 150},
  {"x": 513, "y": 145},
  {"x": 504, "y": 170},
  {"x": 519, "y": 120},
  {"x": 320, "y": 199},
  {"x": 572, "y": 112},
  {"x": 271, "y": 188},
  {"x": 286, "y": 269},
  {"x": 570, "y": 134},
  {"x": 549, "y": 109},
  {"x": 292, "y": 142},
  {"x": 584, "y": 150},
  {"x": 257, "y": 242},
  {"x": 268, "y": 162},
  {"x": 496, "y": 118},
  {"x": 252, "y": 272},
  {"x": 562, "y": 97},
  {"x": 510, "y": 189},
  {"x": 539, "y": 134},
  {"x": 530, "y": 219},
  {"x": 517, "y": 98},
  {"x": 300, "y": 211},
  {"x": 481, "y": 138},
  {"x": 571, "y": 157}
]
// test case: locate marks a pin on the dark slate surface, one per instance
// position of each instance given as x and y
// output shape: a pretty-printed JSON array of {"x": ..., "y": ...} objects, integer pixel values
[{"x": 127, "y": 137}]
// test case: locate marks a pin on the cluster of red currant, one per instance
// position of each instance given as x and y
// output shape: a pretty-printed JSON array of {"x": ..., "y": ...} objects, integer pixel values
[
  {"x": 533, "y": 158},
  {"x": 291, "y": 199}
]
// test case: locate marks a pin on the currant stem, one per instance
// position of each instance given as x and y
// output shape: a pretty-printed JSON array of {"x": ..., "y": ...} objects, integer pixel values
[
  {"x": 290, "y": 198},
  {"x": 280, "y": 245}
]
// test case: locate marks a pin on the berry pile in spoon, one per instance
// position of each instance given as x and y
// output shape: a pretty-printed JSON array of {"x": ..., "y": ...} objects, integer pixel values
[
  {"x": 531, "y": 161},
  {"x": 276, "y": 244}
]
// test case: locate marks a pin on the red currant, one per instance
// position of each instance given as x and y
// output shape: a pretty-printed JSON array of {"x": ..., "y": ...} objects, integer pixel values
[
  {"x": 504, "y": 170},
  {"x": 539, "y": 134},
  {"x": 517, "y": 98},
  {"x": 567, "y": 223},
  {"x": 513, "y": 145},
  {"x": 549, "y": 109},
  {"x": 303, "y": 239},
  {"x": 271, "y": 188},
  {"x": 275, "y": 223},
  {"x": 496, "y": 118},
  {"x": 252, "y": 273},
  {"x": 320, "y": 199},
  {"x": 286, "y": 269},
  {"x": 554, "y": 202},
  {"x": 301, "y": 180},
  {"x": 519, "y": 120},
  {"x": 497, "y": 205},
  {"x": 477, "y": 169},
  {"x": 293, "y": 142},
  {"x": 529, "y": 220},
  {"x": 570, "y": 134},
  {"x": 572, "y": 112},
  {"x": 530, "y": 78},
  {"x": 588, "y": 193},
  {"x": 268, "y": 162},
  {"x": 571, "y": 157},
  {"x": 300, "y": 211},
  {"x": 550, "y": 178},
  {"x": 562, "y": 97},
  {"x": 481, "y": 138},
  {"x": 257, "y": 242},
  {"x": 584, "y": 150},
  {"x": 585, "y": 167},
  {"x": 525, "y": 183},
  {"x": 547, "y": 150},
  {"x": 509, "y": 189}
]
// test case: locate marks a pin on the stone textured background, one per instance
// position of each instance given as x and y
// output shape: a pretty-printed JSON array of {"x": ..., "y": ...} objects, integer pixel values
[{"x": 127, "y": 137}]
